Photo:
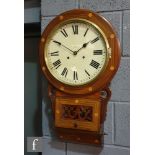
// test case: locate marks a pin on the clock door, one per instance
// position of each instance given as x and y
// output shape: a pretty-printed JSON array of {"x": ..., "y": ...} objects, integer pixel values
[{"x": 83, "y": 114}]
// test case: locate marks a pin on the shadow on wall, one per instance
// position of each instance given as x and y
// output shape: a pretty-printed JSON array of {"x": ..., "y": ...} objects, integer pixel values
[{"x": 47, "y": 110}]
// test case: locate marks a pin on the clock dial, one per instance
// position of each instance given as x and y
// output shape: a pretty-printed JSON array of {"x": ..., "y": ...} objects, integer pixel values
[{"x": 76, "y": 52}]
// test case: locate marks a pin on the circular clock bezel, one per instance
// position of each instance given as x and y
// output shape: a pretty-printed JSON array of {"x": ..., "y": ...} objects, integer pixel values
[
  {"x": 112, "y": 43},
  {"x": 79, "y": 20}
]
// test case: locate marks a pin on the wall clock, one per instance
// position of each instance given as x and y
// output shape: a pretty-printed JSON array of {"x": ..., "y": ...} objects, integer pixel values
[{"x": 79, "y": 56}]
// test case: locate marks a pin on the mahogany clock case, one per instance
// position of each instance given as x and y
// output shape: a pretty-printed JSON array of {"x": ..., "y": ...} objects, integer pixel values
[
  {"x": 87, "y": 129},
  {"x": 105, "y": 76}
]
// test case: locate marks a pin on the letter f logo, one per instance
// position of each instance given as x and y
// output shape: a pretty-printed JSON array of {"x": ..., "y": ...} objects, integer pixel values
[{"x": 34, "y": 144}]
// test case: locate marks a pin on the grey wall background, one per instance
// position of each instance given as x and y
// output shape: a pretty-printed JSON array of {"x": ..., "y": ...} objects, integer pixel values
[
  {"x": 32, "y": 86},
  {"x": 117, "y": 124}
]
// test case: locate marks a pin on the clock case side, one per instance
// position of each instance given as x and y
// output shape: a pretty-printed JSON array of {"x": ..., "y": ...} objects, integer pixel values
[{"x": 103, "y": 80}]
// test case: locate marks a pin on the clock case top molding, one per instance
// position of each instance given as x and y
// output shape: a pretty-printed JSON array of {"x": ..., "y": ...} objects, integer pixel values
[{"x": 63, "y": 94}]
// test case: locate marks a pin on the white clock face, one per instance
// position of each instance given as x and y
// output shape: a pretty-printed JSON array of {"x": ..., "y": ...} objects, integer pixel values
[{"x": 76, "y": 52}]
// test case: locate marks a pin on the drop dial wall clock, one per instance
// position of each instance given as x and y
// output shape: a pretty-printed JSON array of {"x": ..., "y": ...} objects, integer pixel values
[{"x": 79, "y": 56}]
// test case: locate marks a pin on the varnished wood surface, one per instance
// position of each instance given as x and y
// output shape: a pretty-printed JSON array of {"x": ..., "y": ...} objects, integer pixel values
[
  {"x": 53, "y": 94},
  {"x": 93, "y": 125},
  {"x": 80, "y": 136}
]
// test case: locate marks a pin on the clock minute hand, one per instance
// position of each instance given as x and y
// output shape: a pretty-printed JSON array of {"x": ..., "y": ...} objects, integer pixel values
[{"x": 62, "y": 45}]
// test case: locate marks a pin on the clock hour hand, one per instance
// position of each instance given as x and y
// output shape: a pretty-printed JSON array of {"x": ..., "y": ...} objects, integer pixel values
[
  {"x": 62, "y": 45},
  {"x": 83, "y": 46}
]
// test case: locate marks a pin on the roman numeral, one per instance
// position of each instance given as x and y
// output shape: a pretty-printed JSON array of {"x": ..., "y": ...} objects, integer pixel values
[
  {"x": 54, "y": 53},
  {"x": 94, "y": 64},
  {"x": 97, "y": 52},
  {"x": 64, "y": 72},
  {"x": 63, "y": 31},
  {"x": 75, "y": 76},
  {"x": 86, "y": 32},
  {"x": 93, "y": 41},
  {"x": 57, "y": 63},
  {"x": 87, "y": 72},
  {"x": 75, "y": 29}
]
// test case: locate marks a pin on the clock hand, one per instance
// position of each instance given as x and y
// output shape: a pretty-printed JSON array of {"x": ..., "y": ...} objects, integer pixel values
[
  {"x": 57, "y": 42},
  {"x": 83, "y": 46},
  {"x": 62, "y": 45}
]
